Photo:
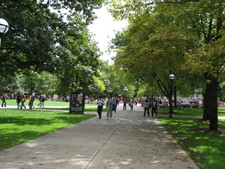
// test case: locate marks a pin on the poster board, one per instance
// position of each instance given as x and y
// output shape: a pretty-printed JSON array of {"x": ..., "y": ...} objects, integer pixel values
[{"x": 77, "y": 102}]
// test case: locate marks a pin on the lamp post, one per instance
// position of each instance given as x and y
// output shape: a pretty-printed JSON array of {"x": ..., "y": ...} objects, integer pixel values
[
  {"x": 4, "y": 27},
  {"x": 171, "y": 76},
  {"x": 126, "y": 90},
  {"x": 125, "y": 98}
]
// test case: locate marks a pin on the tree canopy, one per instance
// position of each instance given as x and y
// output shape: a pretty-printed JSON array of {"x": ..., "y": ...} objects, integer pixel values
[
  {"x": 179, "y": 37},
  {"x": 50, "y": 36}
]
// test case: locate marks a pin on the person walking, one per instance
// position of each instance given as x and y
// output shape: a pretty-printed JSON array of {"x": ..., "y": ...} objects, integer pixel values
[
  {"x": 31, "y": 101},
  {"x": 39, "y": 104},
  {"x": 131, "y": 104},
  {"x": 146, "y": 107},
  {"x": 154, "y": 107},
  {"x": 18, "y": 100},
  {"x": 42, "y": 101},
  {"x": 100, "y": 103},
  {"x": 109, "y": 105},
  {"x": 23, "y": 99},
  {"x": 3, "y": 100},
  {"x": 115, "y": 103},
  {"x": 124, "y": 104}
]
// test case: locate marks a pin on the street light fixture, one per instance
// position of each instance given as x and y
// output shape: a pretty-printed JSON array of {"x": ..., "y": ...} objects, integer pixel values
[
  {"x": 4, "y": 27},
  {"x": 125, "y": 89},
  {"x": 171, "y": 76}
]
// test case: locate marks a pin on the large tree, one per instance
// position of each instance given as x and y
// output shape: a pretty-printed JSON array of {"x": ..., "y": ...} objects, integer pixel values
[
  {"x": 36, "y": 31},
  {"x": 205, "y": 19},
  {"x": 155, "y": 50},
  {"x": 77, "y": 59},
  {"x": 45, "y": 35}
]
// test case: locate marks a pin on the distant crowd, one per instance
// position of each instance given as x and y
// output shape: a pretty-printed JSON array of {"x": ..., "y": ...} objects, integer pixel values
[
  {"x": 21, "y": 99},
  {"x": 112, "y": 103}
]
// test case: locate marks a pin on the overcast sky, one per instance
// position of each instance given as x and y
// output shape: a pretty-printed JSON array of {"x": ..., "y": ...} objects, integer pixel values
[{"x": 103, "y": 29}]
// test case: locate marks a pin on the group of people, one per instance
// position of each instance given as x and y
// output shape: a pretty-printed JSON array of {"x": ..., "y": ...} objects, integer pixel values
[
  {"x": 112, "y": 102},
  {"x": 111, "y": 106},
  {"x": 130, "y": 102},
  {"x": 150, "y": 104},
  {"x": 21, "y": 99}
]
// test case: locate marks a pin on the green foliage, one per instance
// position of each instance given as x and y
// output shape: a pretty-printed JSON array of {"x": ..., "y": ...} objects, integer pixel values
[
  {"x": 78, "y": 60},
  {"x": 175, "y": 37},
  {"x": 128, "y": 8},
  {"x": 115, "y": 80},
  {"x": 41, "y": 83},
  {"x": 11, "y": 84},
  {"x": 209, "y": 58},
  {"x": 29, "y": 81},
  {"x": 156, "y": 49},
  {"x": 44, "y": 37},
  {"x": 221, "y": 92}
]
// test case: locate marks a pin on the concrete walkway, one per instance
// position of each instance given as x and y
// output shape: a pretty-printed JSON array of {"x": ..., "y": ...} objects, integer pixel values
[{"x": 127, "y": 141}]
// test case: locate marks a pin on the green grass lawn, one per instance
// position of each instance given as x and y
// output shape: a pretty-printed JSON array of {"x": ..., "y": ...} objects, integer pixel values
[
  {"x": 12, "y": 102},
  {"x": 205, "y": 147},
  {"x": 85, "y": 109},
  {"x": 189, "y": 112},
  {"x": 18, "y": 126}
]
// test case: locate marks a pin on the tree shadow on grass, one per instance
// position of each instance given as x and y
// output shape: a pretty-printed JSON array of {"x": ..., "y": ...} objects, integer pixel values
[
  {"x": 18, "y": 120},
  {"x": 74, "y": 118},
  {"x": 11, "y": 139}
]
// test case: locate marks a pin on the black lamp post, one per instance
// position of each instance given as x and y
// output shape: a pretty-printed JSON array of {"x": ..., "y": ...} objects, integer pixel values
[
  {"x": 171, "y": 76},
  {"x": 4, "y": 27}
]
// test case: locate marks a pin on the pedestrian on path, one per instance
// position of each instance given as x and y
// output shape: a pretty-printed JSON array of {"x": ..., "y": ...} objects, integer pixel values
[
  {"x": 124, "y": 104},
  {"x": 115, "y": 103},
  {"x": 23, "y": 99},
  {"x": 131, "y": 104},
  {"x": 100, "y": 103},
  {"x": 154, "y": 107},
  {"x": 42, "y": 101},
  {"x": 109, "y": 106},
  {"x": 31, "y": 101},
  {"x": 3, "y": 100},
  {"x": 18, "y": 100},
  {"x": 146, "y": 107}
]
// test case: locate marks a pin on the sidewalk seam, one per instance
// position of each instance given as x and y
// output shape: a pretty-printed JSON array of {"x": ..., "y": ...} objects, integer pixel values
[{"x": 101, "y": 148}]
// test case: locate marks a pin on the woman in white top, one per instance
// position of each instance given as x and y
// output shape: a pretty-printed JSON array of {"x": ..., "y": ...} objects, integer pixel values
[{"x": 100, "y": 103}]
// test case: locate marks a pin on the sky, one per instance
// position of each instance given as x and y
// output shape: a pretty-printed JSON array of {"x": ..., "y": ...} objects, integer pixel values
[{"x": 103, "y": 29}]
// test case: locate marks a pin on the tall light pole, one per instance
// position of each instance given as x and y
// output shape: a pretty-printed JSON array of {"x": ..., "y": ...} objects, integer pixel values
[
  {"x": 171, "y": 76},
  {"x": 4, "y": 27}
]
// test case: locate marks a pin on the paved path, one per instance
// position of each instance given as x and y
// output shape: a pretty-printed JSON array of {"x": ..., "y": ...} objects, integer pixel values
[{"x": 127, "y": 141}]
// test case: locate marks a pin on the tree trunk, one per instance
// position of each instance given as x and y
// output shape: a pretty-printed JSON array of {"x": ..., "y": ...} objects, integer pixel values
[
  {"x": 170, "y": 107},
  {"x": 171, "y": 99},
  {"x": 175, "y": 97},
  {"x": 214, "y": 105},
  {"x": 207, "y": 96}
]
